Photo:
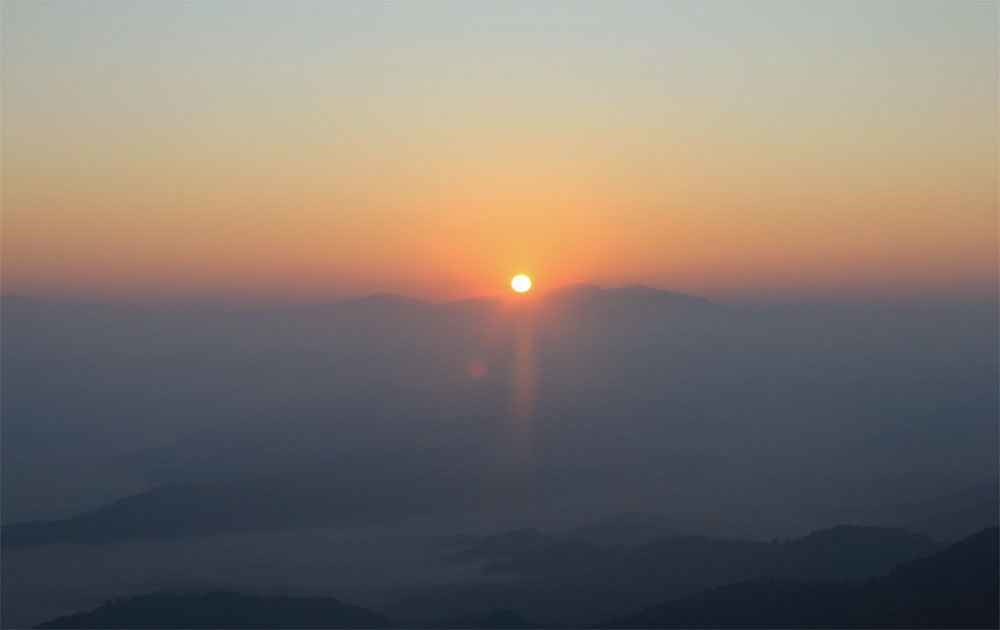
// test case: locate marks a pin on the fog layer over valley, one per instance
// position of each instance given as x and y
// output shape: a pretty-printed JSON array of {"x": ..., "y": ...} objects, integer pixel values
[{"x": 365, "y": 448}]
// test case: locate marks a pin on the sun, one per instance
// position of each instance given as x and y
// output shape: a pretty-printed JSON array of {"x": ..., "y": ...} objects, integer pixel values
[{"x": 520, "y": 283}]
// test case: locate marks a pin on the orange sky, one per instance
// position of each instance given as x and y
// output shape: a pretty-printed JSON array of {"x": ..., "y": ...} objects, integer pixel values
[{"x": 436, "y": 152}]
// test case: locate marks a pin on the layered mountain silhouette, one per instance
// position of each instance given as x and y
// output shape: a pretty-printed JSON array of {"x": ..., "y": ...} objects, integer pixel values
[
  {"x": 955, "y": 515},
  {"x": 633, "y": 528},
  {"x": 838, "y": 552},
  {"x": 955, "y": 588},
  {"x": 262, "y": 475},
  {"x": 209, "y": 428},
  {"x": 556, "y": 578},
  {"x": 199, "y": 509},
  {"x": 337, "y": 394}
]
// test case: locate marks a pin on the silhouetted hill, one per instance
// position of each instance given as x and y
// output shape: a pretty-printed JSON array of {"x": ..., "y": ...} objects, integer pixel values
[
  {"x": 955, "y": 588},
  {"x": 529, "y": 551},
  {"x": 959, "y": 587},
  {"x": 764, "y": 603},
  {"x": 221, "y": 610},
  {"x": 184, "y": 510},
  {"x": 199, "y": 509},
  {"x": 742, "y": 422},
  {"x": 846, "y": 551},
  {"x": 840, "y": 552},
  {"x": 955, "y": 515},
  {"x": 384, "y": 300},
  {"x": 635, "y": 304},
  {"x": 558, "y": 579},
  {"x": 513, "y": 542},
  {"x": 635, "y": 294},
  {"x": 633, "y": 528}
]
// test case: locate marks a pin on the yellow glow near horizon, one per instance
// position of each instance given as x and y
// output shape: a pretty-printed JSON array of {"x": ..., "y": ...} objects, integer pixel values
[
  {"x": 520, "y": 283},
  {"x": 397, "y": 162}
]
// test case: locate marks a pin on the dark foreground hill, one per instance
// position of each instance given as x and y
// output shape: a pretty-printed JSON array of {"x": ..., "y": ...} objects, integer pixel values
[
  {"x": 222, "y": 610},
  {"x": 956, "y": 588},
  {"x": 555, "y": 578}
]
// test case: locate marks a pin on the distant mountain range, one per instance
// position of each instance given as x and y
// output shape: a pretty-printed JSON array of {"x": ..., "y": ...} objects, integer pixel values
[
  {"x": 187, "y": 427},
  {"x": 229, "y": 482},
  {"x": 657, "y": 392},
  {"x": 956, "y": 587},
  {"x": 834, "y": 553},
  {"x": 184, "y": 510},
  {"x": 559, "y": 578},
  {"x": 200, "y": 509}
]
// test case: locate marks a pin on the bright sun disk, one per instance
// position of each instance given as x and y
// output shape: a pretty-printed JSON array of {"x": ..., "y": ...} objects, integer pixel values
[{"x": 520, "y": 283}]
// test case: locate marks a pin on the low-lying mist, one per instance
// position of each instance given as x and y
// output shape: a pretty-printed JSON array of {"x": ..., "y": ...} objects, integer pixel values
[{"x": 165, "y": 435}]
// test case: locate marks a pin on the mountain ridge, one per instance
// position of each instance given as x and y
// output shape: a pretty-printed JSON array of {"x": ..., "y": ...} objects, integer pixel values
[{"x": 955, "y": 587}]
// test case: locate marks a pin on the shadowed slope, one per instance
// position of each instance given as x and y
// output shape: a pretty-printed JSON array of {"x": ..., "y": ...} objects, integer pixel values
[{"x": 956, "y": 588}]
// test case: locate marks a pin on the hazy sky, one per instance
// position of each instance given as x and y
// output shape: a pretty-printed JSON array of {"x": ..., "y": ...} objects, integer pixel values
[{"x": 434, "y": 149}]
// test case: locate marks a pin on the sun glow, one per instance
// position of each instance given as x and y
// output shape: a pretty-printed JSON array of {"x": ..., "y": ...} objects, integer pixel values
[{"x": 520, "y": 283}]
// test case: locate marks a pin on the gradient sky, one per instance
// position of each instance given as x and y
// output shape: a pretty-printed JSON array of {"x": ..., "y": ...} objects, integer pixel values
[{"x": 430, "y": 148}]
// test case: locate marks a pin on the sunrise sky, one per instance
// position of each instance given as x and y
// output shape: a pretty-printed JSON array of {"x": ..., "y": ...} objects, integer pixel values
[{"x": 435, "y": 149}]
